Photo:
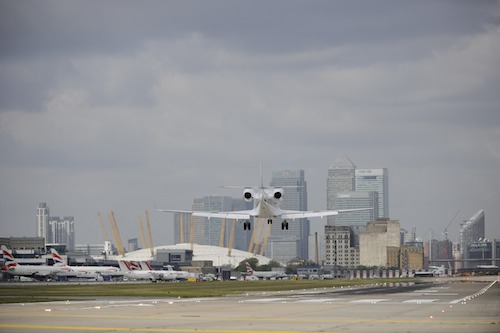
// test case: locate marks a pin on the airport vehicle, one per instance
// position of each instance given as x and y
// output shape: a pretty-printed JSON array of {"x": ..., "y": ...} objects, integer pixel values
[
  {"x": 86, "y": 271},
  {"x": 433, "y": 271},
  {"x": 38, "y": 272},
  {"x": 266, "y": 205},
  {"x": 263, "y": 275},
  {"x": 132, "y": 270}
]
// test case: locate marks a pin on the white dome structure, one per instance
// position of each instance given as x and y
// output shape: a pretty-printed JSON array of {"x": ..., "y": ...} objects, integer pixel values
[{"x": 218, "y": 255}]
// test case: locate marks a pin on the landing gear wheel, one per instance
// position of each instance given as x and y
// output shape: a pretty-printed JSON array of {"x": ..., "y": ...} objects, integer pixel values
[
  {"x": 284, "y": 225},
  {"x": 247, "y": 225},
  {"x": 269, "y": 221}
]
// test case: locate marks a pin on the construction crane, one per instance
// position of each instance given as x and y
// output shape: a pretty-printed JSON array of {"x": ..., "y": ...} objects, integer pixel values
[
  {"x": 445, "y": 231},
  {"x": 150, "y": 235}
]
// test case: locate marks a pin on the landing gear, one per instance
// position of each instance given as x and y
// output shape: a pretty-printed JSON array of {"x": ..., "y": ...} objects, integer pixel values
[
  {"x": 247, "y": 225},
  {"x": 284, "y": 225},
  {"x": 269, "y": 221}
]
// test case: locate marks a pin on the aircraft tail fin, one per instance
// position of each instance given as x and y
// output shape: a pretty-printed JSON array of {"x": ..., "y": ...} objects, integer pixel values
[
  {"x": 7, "y": 254},
  {"x": 124, "y": 265},
  {"x": 9, "y": 261},
  {"x": 145, "y": 266},
  {"x": 249, "y": 268},
  {"x": 58, "y": 260}
]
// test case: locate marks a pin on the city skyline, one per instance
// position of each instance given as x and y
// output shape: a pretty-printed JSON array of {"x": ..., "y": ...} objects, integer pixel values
[{"x": 128, "y": 107}]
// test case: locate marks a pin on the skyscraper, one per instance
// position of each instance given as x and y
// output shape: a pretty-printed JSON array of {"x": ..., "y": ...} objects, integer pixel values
[
  {"x": 295, "y": 198},
  {"x": 42, "y": 220},
  {"x": 61, "y": 231},
  {"x": 54, "y": 229},
  {"x": 375, "y": 180},
  {"x": 354, "y": 200},
  {"x": 471, "y": 231},
  {"x": 341, "y": 178}
]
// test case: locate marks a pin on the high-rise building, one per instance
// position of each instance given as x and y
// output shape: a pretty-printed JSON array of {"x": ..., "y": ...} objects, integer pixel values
[
  {"x": 375, "y": 242},
  {"x": 341, "y": 246},
  {"x": 53, "y": 229},
  {"x": 341, "y": 178},
  {"x": 294, "y": 198},
  {"x": 354, "y": 200},
  {"x": 375, "y": 180},
  {"x": 61, "y": 231},
  {"x": 471, "y": 231},
  {"x": 42, "y": 220}
]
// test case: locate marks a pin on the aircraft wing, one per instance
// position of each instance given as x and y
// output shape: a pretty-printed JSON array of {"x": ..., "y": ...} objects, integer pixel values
[
  {"x": 175, "y": 211},
  {"x": 297, "y": 214},
  {"x": 237, "y": 215}
]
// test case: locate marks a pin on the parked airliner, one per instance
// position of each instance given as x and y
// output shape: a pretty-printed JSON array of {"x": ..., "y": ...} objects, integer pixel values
[{"x": 39, "y": 272}]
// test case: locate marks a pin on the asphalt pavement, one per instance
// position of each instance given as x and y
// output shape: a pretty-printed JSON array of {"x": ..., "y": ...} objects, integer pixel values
[{"x": 443, "y": 305}]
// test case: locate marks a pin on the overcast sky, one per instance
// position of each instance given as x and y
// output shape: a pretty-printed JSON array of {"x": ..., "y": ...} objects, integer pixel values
[{"x": 132, "y": 105}]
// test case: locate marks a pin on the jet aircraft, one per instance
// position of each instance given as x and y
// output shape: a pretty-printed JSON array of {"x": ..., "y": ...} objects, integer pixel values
[
  {"x": 38, "y": 272},
  {"x": 86, "y": 271},
  {"x": 266, "y": 205},
  {"x": 168, "y": 274},
  {"x": 263, "y": 274},
  {"x": 132, "y": 270}
]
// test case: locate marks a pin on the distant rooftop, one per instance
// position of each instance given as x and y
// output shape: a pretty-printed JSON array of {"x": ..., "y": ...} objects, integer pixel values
[{"x": 343, "y": 163}]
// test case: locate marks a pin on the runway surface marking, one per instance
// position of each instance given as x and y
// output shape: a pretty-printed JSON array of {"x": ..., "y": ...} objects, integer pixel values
[{"x": 136, "y": 329}]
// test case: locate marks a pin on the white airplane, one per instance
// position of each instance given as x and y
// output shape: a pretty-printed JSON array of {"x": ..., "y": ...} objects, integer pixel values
[
  {"x": 263, "y": 275},
  {"x": 169, "y": 274},
  {"x": 86, "y": 271},
  {"x": 266, "y": 205},
  {"x": 39, "y": 272},
  {"x": 132, "y": 270}
]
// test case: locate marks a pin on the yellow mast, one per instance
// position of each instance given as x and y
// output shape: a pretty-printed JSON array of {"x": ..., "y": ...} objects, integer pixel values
[
  {"x": 257, "y": 242},
  {"x": 150, "y": 235},
  {"x": 250, "y": 246},
  {"x": 231, "y": 239},
  {"x": 181, "y": 228},
  {"x": 191, "y": 235},
  {"x": 121, "y": 249},
  {"x": 143, "y": 237},
  {"x": 103, "y": 228},
  {"x": 266, "y": 238},
  {"x": 222, "y": 232}
]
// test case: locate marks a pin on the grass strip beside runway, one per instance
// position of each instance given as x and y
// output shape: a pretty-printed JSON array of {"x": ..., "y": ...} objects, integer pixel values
[{"x": 56, "y": 291}]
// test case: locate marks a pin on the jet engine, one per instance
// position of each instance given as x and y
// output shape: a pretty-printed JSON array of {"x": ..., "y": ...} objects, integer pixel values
[
  {"x": 278, "y": 193},
  {"x": 248, "y": 195}
]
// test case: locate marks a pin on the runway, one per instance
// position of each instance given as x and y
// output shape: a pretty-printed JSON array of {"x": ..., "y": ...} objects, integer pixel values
[{"x": 438, "y": 307}]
